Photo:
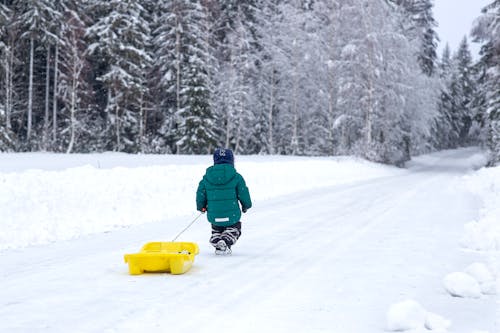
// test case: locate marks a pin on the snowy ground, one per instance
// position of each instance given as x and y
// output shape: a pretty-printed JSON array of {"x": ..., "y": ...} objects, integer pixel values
[{"x": 331, "y": 245}]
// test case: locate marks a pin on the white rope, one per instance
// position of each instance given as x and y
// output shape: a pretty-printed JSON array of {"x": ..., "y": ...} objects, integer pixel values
[{"x": 186, "y": 228}]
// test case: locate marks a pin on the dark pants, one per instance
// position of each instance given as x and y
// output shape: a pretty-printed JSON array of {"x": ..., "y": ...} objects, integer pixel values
[{"x": 228, "y": 234}]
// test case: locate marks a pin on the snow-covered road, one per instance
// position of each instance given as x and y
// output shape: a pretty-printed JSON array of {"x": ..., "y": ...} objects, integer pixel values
[{"x": 330, "y": 259}]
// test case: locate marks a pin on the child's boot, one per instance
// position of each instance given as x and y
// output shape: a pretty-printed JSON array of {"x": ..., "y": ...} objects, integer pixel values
[{"x": 222, "y": 248}]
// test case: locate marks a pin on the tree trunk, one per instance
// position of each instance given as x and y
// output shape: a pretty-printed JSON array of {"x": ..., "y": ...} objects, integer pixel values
[
  {"x": 270, "y": 115},
  {"x": 295, "y": 111},
  {"x": 117, "y": 126},
  {"x": 229, "y": 105},
  {"x": 142, "y": 121},
  {"x": 74, "y": 87},
  {"x": 240, "y": 124},
  {"x": 178, "y": 69},
  {"x": 9, "y": 61},
  {"x": 370, "y": 88},
  {"x": 30, "y": 90},
  {"x": 54, "y": 98},
  {"x": 46, "y": 118}
]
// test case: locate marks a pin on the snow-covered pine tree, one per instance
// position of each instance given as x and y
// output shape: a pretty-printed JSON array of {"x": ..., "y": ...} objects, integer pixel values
[
  {"x": 329, "y": 127},
  {"x": 182, "y": 64},
  {"x": 120, "y": 39},
  {"x": 6, "y": 137},
  {"x": 465, "y": 90},
  {"x": 34, "y": 19},
  {"x": 421, "y": 29},
  {"x": 51, "y": 40},
  {"x": 166, "y": 75},
  {"x": 457, "y": 93},
  {"x": 427, "y": 57},
  {"x": 318, "y": 89},
  {"x": 73, "y": 87},
  {"x": 295, "y": 73},
  {"x": 236, "y": 96},
  {"x": 486, "y": 30},
  {"x": 389, "y": 57},
  {"x": 291, "y": 119},
  {"x": 442, "y": 131},
  {"x": 273, "y": 61}
]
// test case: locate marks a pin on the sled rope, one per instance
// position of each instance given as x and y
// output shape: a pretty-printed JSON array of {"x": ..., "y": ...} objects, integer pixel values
[{"x": 186, "y": 228}]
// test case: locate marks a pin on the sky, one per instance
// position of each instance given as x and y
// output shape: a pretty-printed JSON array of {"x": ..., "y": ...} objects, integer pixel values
[{"x": 455, "y": 19}]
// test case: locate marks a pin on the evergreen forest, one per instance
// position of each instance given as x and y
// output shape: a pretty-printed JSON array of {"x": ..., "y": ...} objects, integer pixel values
[{"x": 290, "y": 77}]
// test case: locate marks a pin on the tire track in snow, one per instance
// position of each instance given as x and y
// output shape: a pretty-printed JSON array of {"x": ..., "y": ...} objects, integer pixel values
[{"x": 264, "y": 267}]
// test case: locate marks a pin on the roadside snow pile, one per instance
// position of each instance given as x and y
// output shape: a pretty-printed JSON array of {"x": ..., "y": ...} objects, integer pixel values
[
  {"x": 460, "y": 284},
  {"x": 476, "y": 280},
  {"x": 484, "y": 234},
  {"x": 58, "y": 203},
  {"x": 410, "y": 315},
  {"x": 484, "y": 277}
]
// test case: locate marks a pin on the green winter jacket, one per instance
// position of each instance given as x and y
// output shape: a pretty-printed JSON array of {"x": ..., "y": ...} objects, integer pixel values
[{"x": 219, "y": 192}]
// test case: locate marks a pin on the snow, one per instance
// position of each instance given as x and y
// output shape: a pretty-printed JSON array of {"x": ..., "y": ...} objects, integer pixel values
[
  {"x": 41, "y": 206},
  {"x": 406, "y": 315},
  {"x": 436, "y": 323},
  {"x": 480, "y": 272},
  {"x": 331, "y": 245},
  {"x": 484, "y": 233},
  {"x": 409, "y": 315},
  {"x": 460, "y": 284}
]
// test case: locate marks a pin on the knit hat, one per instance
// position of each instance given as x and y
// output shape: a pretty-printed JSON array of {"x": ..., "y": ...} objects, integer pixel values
[{"x": 223, "y": 156}]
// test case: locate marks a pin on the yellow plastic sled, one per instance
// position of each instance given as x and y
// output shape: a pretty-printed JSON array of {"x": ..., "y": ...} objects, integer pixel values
[{"x": 173, "y": 257}]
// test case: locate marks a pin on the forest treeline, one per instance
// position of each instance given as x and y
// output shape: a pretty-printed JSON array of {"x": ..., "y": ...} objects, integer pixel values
[{"x": 302, "y": 77}]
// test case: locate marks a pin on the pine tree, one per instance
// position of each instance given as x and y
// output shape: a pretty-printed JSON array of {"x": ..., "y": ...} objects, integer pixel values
[
  {"x": 457, "y": 95},
  {"x": 166, "y": 74},
  {"x": 487, "y": 31},
  {"x": 121, "y": 39},
  {"x": 422, "y": 29},
  {"x": 6, "y": 136},
  {"x": 183, "y": 71},
  {"x": 466, "y": 90},
  {"x": 331, "y": 121},
  {"x": 291, "y": 119},
  {"x": 272, "y": 63},
  {"x": 261, "y": 76},
  {"x": 73, "y": 88},
  {"x": 443, "y": 134},
  {"x": 35, "y": 20},
  {"x": 237, "y": 46}
]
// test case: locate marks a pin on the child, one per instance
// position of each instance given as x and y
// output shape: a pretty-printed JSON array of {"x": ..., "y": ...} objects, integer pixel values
[{"x": 218, "y": 194}]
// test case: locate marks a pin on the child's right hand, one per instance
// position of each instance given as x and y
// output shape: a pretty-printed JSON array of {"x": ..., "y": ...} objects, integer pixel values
[{"x": 203, "y": 210}]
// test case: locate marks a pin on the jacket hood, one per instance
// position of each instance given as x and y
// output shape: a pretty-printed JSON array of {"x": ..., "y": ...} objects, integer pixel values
[{"x": 220, "y": 174}]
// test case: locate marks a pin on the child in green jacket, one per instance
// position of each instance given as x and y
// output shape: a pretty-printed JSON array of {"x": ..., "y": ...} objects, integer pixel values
[{"x": 220, "y": 193}]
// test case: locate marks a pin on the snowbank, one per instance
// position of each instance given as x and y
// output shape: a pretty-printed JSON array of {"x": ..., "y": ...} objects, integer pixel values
[
  {"x": 484, "y": 234},
  {"x": 58, "y": 197},
  {"x": 461, "y": 284},
  {"x": 410, "y": 315}
]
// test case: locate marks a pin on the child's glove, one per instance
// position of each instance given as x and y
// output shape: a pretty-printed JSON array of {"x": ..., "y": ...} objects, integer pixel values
[
  {"x": 203, "y": 210},
  {"x": 244, "y": 210}
]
